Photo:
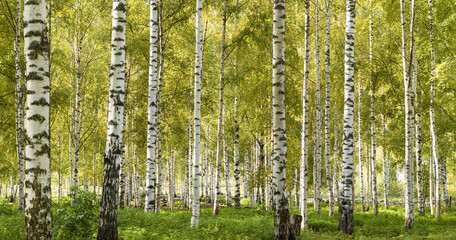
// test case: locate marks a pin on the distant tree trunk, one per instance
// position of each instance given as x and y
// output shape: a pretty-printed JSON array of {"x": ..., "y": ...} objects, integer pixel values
[
  {"x": 37, "y": 147},
  {"x": 107, "y": 228},
  {"x": 327, "y": 108},
  {"x": 418, "y": 157},
  {"x": 197, "y": 115},
  {"x": 297, "y": 187},
  {"x": 282, "y": 227},
  {"x": 445, "y": 183},
  {"x": 305, "y": 124},
  {"x": 369, "y": 180},
  {"x": 336, "y": 162},
  {"x": 227, "y": 175},
  {"x": 237, "y": 191},
  {"x": 245, "y": 178},
  {"x": 409, "y": 190},
  {"x": 19, "y": 108},
  {"x": 373, "y": 143},
  {"x": 431, "y": 185},
  {"x": 346, "y": 206},
  {"x": 220, "y": 117},
  {"x": 360, "y": 154},
  {"x": 318, "y": 130},
  {"x": 385, "y": 165}
]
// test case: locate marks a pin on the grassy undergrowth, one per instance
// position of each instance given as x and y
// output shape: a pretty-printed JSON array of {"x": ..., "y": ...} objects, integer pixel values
[{"x": 243, "y": 223}]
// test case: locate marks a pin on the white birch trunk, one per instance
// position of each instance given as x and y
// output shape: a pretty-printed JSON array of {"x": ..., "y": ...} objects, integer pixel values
[
  {"x": 227, "y": 175},
  {"x": 19, "y": 108},
  {"x": 327, "y": 108},
  {"x": 38, "y": 201},
  {"x": 281, "y": 213},
  {"x": 305, "y": 124},
  {"x": 445, "y": 183},
  {"x": 373, "y": 143},
  {"x": 152, "y": 109},
  {"x": 435, "y": 154},
  {"x": 360, "y": 151},
  {"x": 237, "y": 172},
  {"x": 346, "y": 206},
  {"x": 385, "y": 166},
  {"x": 409, "y": 190},
  {"x": 107, "y": 228},
  {"x": 197, "y": 115},
  {"x": 318, "y": 130},
  {"x": 220, "y": 117}
]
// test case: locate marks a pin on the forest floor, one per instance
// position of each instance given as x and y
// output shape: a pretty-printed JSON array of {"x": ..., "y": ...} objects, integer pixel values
[{"x": 244, "y": 223}]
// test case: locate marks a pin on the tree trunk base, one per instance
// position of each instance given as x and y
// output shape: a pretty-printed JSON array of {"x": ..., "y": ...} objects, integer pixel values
[{"x": 346, "y": 218}]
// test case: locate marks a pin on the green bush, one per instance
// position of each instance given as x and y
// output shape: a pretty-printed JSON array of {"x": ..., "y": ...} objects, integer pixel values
[{"x": 78, "y": 220}]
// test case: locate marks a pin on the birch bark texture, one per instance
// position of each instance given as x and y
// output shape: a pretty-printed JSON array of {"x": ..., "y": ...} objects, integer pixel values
[
  {"x": 38, "y": 201},
  {"x": 372, "y": 96},
  {"x": 435, "y": 153},
  {"x": 281, "y": 213},
  {"x": 409, "y": 190},
  {"x": 197, "y": 115},
  {"x": 237, "y": 171},
  {"x": 220, "y": 118},
  {"x": 305, "y": 123},
  {"x": 327, "y": 107},
  {"x": 152, "y": 109},
  {"x": 19, "y": 108},
  {"x": 107, "y": 227},
  {"x": 346, "y": 204},
  {"x": 318, "y": 132}
]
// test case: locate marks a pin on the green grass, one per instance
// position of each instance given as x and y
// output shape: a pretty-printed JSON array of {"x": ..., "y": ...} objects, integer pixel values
[{"x": 255, "y": 224}]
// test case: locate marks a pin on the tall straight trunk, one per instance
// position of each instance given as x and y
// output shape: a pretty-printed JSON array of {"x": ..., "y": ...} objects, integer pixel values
[
  {"x": 19, "y": 108},
  {"x": 245, "y": 178},
  {"x": 107, "y": 228},
  {"x": 318, "y": 130},
  {"x": 172, "y": 179},
  {"x": 282, "y": 228},
  {"x": 431, "y": 185},
  {"x": 435, "y": 154},
  {"x": 211, "y": 178},
  {"x": 346, "y": 206},
  {"x": 227, "y": 175},
  {"x": 220, "y": 117},
  {"x": 445, "y": 183},
  {"x": 190, "y": 169},
  {"x": 373, "y": 143},
  {"x": 305, "y": 123},
  {"x": 158, "y": 127},
  {"x": 419, "y": 162},
  {"x": 409, "y": 190},
  {"x": 385, "y": 166},
  {"x": 38, "y": 201},
  {"x": 369, "y": 180},
  {"x": 197, "y": 114},
  {"x": 152, "y": 109},
  {"x": 237, "y": 172},
  {"x": 360, "y": 153},
  {"x": 336, "y": 162},
  {"x": 327, "y": 108},
  {"x": 77, "y": 115}
]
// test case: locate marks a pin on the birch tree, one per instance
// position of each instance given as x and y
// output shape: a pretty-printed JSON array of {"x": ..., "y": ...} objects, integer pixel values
[
  {"x": 360, "y": 151},
  {"x": 318, "y": 130},
  {"x": 281, "y": 213},
  {"x": 409, "y": 190},
  {"x": 418, "y": 144},
  {"x": 385, "y": 166},
  {"x": 107, "y": 228},
  {"x": 197, "y": 115},
  {"x": 152, "y": 109},
  {"x": 305, "y": 110},
  {"x": 346, "y": 206},
  {"x": 38, "y": 201},
  {"x": 327, "y": 108},
  {"x": 373, "y": 145},
  {"x": 19, "y": 107},
  {"x": 220, "y": 117},
  {"x": 435, "y": 154},
  {"x": 237, "y": 172}
]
